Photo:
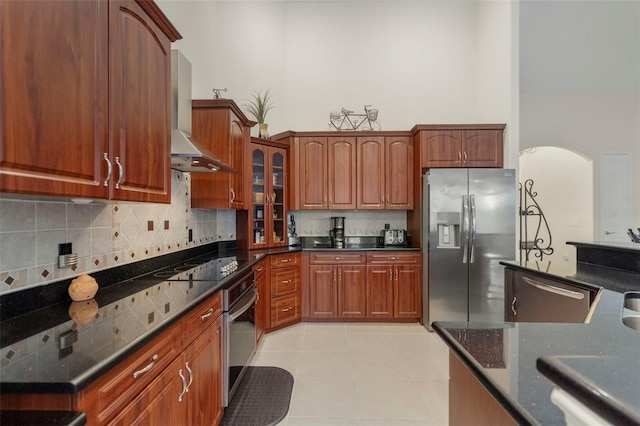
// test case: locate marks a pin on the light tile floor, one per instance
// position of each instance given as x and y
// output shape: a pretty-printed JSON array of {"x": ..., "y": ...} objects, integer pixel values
[{"x": 361, "y": 374}]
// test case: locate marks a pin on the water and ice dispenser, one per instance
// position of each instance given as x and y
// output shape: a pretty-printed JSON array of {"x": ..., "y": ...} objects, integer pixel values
[{"x": 448, "y": 229}]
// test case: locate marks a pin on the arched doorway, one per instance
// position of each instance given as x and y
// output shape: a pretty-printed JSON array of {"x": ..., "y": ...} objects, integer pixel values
[{"x": 562, "y": 183}]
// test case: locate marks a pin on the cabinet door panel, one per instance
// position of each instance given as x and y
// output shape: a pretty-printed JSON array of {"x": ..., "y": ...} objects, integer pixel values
[
  {"x": 53, "y": 120},
  {"x": 399, "y": 173},
  {"x": 342, "y": 173},
  {"x": 285, "y": 310},
  {"x": 204, "y": 358},
  {"x": 313, "y": 173},
  {"x": 371, "y": 173},
  {"x": 482, "y": 148},
  {"x": 351, "y": 291},
  {"x": 379, "y": 291},
  {"x": 284, "y": 281},
  {"x": 406, "y": 291},
  {"x": 322, "y": 292},
  {"x": 238, "y": 145},
  {"x": 140, "y": 81},
  {"x": 441, "y": 148},
  {"x": 158, "y": 403}
]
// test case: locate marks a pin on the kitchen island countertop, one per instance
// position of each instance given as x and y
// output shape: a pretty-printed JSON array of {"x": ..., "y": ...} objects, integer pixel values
[{"x": 575, "y": 357}]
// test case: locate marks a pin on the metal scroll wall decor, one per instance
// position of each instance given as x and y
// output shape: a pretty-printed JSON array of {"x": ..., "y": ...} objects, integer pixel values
[
  {"x": 538, "y": 243},
  {"x": 347, "y": 119}
]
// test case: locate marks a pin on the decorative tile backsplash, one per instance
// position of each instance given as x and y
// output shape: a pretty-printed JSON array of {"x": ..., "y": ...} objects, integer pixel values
[
  {"x": 103, "y": 234},
  {"x": 357, "y": 223}
]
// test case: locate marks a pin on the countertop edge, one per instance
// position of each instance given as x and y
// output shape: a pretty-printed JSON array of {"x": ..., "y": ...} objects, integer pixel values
[
  {"x": 85, "y": 379},
  {"x": 584, "y": 391},
  {"x": 30, "y": 417},
  {"x": 520, "y": 415}
]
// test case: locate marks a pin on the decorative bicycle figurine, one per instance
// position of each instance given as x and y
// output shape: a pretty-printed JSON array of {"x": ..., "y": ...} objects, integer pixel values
[{"x": 349, "y": 120}]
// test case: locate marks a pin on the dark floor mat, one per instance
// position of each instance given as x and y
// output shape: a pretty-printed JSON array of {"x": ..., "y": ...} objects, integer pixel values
[{"x": 262, "y": 398}]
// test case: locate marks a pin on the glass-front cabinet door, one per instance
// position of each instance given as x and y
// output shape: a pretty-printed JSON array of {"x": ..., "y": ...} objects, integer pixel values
[
  {"x": 268, "y": 210},
  {"x": 259, "y": 199}
]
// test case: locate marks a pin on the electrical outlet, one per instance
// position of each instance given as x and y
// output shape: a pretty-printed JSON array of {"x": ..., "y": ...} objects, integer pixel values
[{"x": 65, "y": 248}]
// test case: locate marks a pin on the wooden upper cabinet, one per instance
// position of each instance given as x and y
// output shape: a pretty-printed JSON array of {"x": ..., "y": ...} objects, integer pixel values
[
  {"x": 140, "y": 113},
  {"x": 461, "y": 145},
  {"x": 221, "y": 127},
  {"x": 84, "y": 99},
  {"x": 312, "y": 173},
  {"x": 399, "y": 173},
  {"x": 482, "y": 148},
  {"x": 385, "y": 179},
  {"x": 341, "y": 174},
  {"x": 371, "y": 173},
  {"x": 53, "y": 111}
]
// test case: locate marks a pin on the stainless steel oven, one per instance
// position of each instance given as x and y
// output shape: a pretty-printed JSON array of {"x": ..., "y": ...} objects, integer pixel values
[{"x": 239, "y": 301}]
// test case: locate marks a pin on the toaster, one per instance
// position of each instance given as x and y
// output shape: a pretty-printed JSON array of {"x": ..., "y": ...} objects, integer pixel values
[{"x": 394, "y": 237}]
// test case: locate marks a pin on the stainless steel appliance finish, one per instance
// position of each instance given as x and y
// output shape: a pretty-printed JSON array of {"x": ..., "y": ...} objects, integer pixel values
[
  {"x": 187, "y": 155},
  {"x": 394, "y": 237},
  {"x": 469, "y": 226},
  {"x": 294, "y": 240},
  {"x": 238, "y": 304}
]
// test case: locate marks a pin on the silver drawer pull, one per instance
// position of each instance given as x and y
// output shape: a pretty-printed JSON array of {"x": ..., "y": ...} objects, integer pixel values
[
  {"x": 554, "y": 289},
  {"x": 286, "y": 281},
  {"x": 260, "y": 269},
  {"x": 285, "y": 260},
  {"x": 337, "y": 258},
  {"x": 287, "y": 309},
  {"x": 148, "y": 367},
  {"x": 513, "y": 306},
  {"x": 109, "y": 169},
  {"x": 394, "y": 258},
  {"x": 121, "y": 175},
  {"x": 207, "y": 315}
]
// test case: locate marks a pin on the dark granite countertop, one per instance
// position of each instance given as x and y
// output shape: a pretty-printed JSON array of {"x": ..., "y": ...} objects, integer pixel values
[
  {"x": 582, "y": 359},
  {"x": 366, "y": 243},
  {"x": 129, "y": 314}
]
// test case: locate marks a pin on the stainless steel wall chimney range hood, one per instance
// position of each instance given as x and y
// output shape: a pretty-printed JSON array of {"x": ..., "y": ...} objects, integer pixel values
[{"x": 187, "y": 155}]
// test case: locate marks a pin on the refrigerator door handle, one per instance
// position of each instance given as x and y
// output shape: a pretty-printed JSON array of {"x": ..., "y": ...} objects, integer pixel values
[
  {"x": 472, "y": 211},
  {"x": 464, "y": 229}
]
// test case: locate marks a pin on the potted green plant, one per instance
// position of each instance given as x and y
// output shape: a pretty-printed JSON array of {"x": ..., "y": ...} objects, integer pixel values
[{"x": 259, "y": 106}]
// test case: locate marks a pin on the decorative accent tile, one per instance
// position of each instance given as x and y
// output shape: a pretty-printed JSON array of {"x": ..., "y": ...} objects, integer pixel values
[
  {"x": 150, "y": 225},
  {"x": 166, "y": 224}
]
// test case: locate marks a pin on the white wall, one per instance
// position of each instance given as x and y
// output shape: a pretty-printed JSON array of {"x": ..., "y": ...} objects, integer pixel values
[
  {"x": 416, "y": 61},
  {"x": 565, "y": 200},
  {"x": 580, "y": 81}
]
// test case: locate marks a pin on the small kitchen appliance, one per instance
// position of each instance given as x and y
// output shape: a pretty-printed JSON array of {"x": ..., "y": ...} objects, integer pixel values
[
  {"x": 393, "y": 237},
  {"x": 337, "y": 231},
  {"x": 294, "y": 241}
]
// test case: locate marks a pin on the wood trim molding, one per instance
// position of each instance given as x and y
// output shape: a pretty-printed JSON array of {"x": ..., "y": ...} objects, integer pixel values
[{"x": 160, "y": 19}]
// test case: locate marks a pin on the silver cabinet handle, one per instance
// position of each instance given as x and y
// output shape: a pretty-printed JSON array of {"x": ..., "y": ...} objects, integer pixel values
[
  {"x": 553, "y": 289},
  {"x": 207, "y": 315},
  {"x": 184, "y": 385},
  {"x": 121, "y": 175},
  {"x": 148, "y": 367},
  {"x": 285, "y": 260},
  {"x": 233, "y": 195},
  {"x": 391, "y": 275},
  {"x": 286, "y": 281},
  {"x": 393, "y": 258},
  {"x": 513, "y": 306},
  {"x": 397, "y": 274},
  {"x": 465, "y": 156},
  {"x": 260, "y": 269},
  {"x": 459, "y": 157},
  {"x": 287, "y": 309},
  {"x": 337, "y": 258},
  {"x": 109, "y": 169},
  {"x": 186, "y": 365}
]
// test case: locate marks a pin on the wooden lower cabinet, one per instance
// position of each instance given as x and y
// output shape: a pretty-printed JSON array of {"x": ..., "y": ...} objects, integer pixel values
[
  {"x": 470, "y": 403},
  {"x": 351, "y": 291},
  {"x": 374, "y": 285},
  {"x": 262, "y": 313},
  {"x": 285, "y": 290}
]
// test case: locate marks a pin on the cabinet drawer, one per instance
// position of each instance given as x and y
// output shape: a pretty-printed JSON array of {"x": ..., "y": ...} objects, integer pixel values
[
  {"x": 285, "y": 310},
  {"x": 201, "y": 317},
  {"x": 324, "y": 258},
  {"x": 109, "y": 394},
  {"x": 380, "y": 257},
  {"x": 287, "y": 259},
  {"x": 284, "y": 281},
  {"x": 260, "y": 268}
]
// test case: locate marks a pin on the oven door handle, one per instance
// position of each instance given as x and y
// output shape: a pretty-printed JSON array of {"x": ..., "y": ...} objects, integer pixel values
[{"x": 245, "y": 303}]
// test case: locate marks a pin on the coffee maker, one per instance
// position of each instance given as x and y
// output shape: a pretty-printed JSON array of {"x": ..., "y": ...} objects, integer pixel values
[{"x": 337, "y": 231}]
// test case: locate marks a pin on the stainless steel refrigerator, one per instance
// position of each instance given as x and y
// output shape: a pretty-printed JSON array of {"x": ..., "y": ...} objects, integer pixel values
[{"x": 469, "y": 226}]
